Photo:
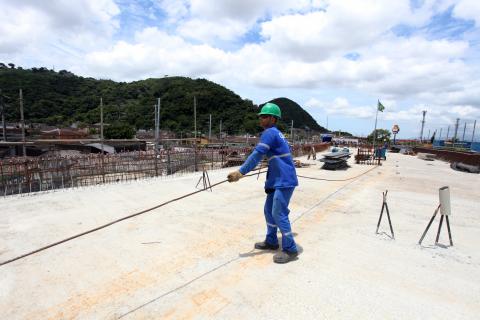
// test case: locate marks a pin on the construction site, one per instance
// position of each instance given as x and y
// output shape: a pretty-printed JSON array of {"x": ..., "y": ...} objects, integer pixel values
[{"x": 180, "y": 245}]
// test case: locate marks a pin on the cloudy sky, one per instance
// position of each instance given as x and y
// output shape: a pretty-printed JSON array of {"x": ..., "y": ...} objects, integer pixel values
[{"x": 336, "y": 58}]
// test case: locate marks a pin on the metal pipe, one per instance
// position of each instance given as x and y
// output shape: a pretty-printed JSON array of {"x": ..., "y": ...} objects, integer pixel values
[{"x": 444, "y": 196}]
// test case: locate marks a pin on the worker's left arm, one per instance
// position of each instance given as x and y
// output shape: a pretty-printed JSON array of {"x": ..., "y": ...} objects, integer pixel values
[
  {"x": 253, "y": 159},
  {"x": 266, "y": 141},
  {"x": 251, "y": 162}
]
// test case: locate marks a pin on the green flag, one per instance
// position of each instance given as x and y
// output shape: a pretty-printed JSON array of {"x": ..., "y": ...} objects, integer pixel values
[{"x": 380, "y": 106}]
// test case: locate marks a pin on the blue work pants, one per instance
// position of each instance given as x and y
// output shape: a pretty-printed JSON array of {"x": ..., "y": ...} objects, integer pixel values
[{"x": 276, "y": 215}]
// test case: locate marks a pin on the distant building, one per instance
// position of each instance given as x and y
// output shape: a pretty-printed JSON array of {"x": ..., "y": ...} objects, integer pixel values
[
  {"x": 64, "y": 134},
  {"x": 150, "y": 134}
]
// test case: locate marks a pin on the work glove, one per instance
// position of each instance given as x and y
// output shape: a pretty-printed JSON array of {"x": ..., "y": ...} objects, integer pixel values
[{"x": 234, "y": 176}]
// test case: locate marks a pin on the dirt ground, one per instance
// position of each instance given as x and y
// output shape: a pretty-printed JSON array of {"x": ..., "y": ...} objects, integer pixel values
[{"x": 194, "y": 259}]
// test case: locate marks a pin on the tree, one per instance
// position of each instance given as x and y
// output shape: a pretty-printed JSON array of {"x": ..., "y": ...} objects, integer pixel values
[
  {"x": 381, "y": 135},
  {"x": 119, "y": 131},
  {"x": 60, "y": 98}
]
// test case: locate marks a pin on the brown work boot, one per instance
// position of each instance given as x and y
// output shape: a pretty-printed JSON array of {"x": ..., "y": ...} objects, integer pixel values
[
  {"x": 265, "y": 246},
  {"x": 284, "y": 257}
]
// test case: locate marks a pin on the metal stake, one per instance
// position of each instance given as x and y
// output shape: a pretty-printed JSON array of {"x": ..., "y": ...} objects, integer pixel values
[
  {"x": 439, "y": 229},
  {"x": 429, "y": 224},
  {"x": 385, "y": 206}
]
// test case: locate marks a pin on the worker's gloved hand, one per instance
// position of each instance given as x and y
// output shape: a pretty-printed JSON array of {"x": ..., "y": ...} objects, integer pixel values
[{"x": 234, "y": 176}]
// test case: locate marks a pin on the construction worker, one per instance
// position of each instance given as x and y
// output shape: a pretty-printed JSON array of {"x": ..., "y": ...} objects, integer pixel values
[
  {"x": 312, "y": 152},
  {"x": 279, "y": 186}
]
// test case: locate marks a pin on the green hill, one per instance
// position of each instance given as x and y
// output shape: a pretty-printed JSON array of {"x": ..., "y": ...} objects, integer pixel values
[
  {"x": 62, "y": 98},
  {"x": 301, "y": 118}
]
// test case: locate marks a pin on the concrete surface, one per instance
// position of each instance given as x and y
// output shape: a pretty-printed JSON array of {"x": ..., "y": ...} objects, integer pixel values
[{"x": 193, "y": 259}]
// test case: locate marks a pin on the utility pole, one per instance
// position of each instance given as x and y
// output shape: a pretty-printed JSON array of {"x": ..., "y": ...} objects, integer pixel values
[
  {"x": 456, "y": 130},
  {"x": 210, "y": 129},
  {"x": 440, "y": 136},
  {"x": 448, "y": 131},
  {"x": 22, "y": 122},
  {"x": 157, "y": 123},
  {"x": 474, "y": 125},
  {"x": 155, "y": 145},
  {"x": 155, "y": 117},
  {"x": 159, "y": 103},
  {"x": 101, "y": 139},
  {"x": 424, "y": 112},
  {"x": 195, "y": 128},
  {"x": 291, "y": 132},
  {"x": 101, "y": 123},
  {"x": 220, "y": 137},
  {"x": 195, "y": 118},
  {"x": 2, "y": 111},
  {"x": 464, "y": 128}
]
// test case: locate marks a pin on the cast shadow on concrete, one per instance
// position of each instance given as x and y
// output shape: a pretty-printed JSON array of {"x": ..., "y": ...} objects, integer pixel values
[{"x": 254, "y": 252}]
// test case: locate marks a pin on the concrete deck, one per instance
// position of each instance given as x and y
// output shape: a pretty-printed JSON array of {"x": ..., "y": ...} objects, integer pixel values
[{"x": 193, "y": 259}]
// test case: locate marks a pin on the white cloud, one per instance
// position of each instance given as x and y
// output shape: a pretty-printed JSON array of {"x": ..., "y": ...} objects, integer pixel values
[
  {"x": 230, "y": 19},
  {"x": 175, "y": 9},
  {"x": 210, "y": 31},
  {"x": 340, "y": 106},
  {"x": 344, "y": 27},
  {"x": 313, "y": 47},
  {"x": 468, "y": 9},
  {"x": 43, "y": 27},
  {"x": 146, "y": 58}
]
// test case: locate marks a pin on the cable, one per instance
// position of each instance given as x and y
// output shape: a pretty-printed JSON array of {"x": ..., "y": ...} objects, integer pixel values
[
  {"x": 351, "y": 178},
  {"x": 147, "y": 210},
  {"x": 113, "y": 222},
  {"x": 240, "y": 256}
]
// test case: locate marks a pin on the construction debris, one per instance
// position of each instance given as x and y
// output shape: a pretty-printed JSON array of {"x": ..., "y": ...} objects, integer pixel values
[
  {"x": 336, "y": 160},
  {"x": 365, "y": 156},
  {"x": 299, "y": 164},
  {"x": 426, "y": 156},
  {"x": 407, "y": 150},
  {"x": 460, "y": 166}
]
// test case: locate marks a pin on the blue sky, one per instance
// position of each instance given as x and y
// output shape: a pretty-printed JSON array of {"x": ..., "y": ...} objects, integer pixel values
[{"x": 334, "y": 58}]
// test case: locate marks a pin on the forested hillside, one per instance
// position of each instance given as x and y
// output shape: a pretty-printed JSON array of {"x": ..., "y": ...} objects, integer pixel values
[
  {"x": 62, "y": 98},
  {"x": 301, "y": 118}
]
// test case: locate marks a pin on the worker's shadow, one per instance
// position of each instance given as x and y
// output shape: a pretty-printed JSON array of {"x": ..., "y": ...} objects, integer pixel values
[{"x": 255, "y": 252}]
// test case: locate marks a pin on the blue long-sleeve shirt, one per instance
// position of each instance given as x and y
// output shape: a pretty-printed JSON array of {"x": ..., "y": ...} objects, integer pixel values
[{"x": 281, "y": 169}]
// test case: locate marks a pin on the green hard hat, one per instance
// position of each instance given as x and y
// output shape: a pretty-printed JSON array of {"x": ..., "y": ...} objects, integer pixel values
[{"x": 271, "y": 109}]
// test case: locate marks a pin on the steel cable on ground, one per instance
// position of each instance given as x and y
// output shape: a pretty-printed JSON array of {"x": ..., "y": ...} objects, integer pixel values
[
  {"x": 150, "y": 209},
  {"x": 241, "y": 255},
  {"x": 351, "y": 178},
  {"x": 114, "y": 222}
]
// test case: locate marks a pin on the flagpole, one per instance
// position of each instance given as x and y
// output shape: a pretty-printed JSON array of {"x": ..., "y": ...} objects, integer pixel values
[{"x": 375, "y": 132}]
